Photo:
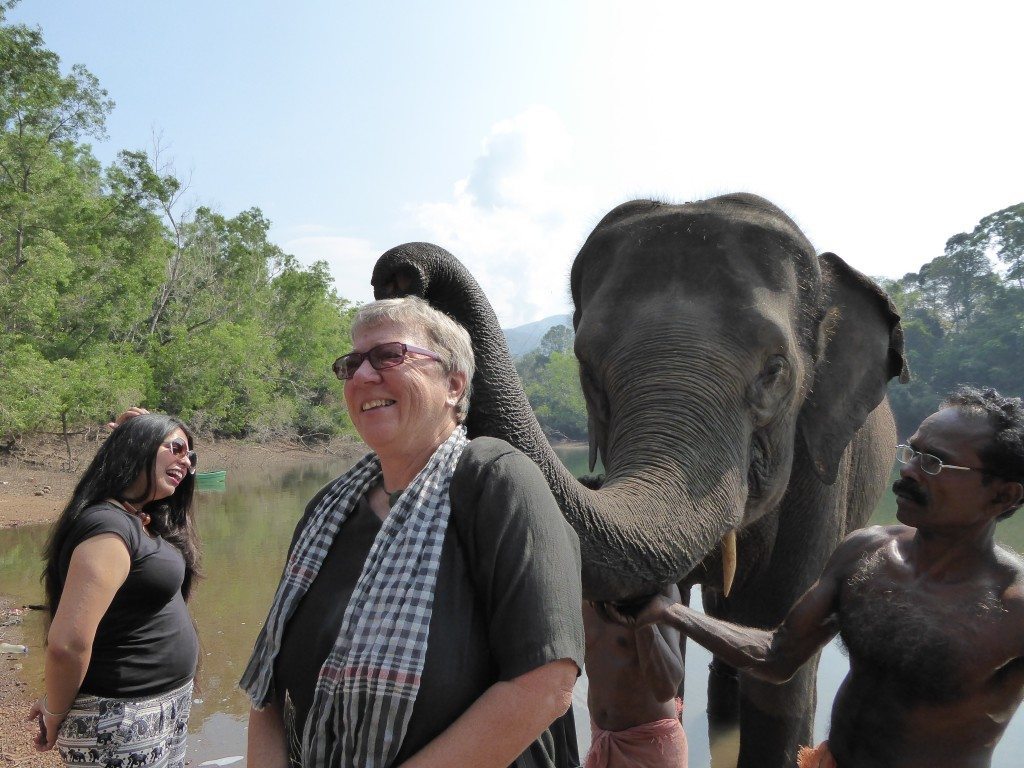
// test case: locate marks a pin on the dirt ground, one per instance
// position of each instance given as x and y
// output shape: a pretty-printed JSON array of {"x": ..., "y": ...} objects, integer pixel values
[
  {"x": 15, "y": 700},
  {"x": 36, "y": 483}
]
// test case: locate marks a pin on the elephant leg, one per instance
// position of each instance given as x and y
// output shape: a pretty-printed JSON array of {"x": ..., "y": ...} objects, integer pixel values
[
  {"x": 723, "y": 695},
  {"x": 723, "y": 682},
  {"x": 777, "y": 720}
]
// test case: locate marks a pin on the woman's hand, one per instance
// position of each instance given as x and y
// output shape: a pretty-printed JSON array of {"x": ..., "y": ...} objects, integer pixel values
[
  {"x": 49, "y": 724},
  {"x": 122, "y": 417}
]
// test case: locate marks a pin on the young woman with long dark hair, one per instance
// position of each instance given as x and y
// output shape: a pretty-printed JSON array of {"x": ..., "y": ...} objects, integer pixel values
[{"x": 121, "y": 563}]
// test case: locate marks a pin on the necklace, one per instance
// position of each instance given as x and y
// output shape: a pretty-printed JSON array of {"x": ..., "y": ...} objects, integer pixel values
[
  {"x": 131, "y": 509},
  {"x": 393, "y": 496}
]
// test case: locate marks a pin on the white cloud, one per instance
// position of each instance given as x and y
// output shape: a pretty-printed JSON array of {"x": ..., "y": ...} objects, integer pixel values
[
  {"x": 516, "y": 221},
  {"x": 350, "y": 260}
]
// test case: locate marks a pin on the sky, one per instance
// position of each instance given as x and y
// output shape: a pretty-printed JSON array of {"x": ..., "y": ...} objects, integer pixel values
[{"x": 505, "y": 131}]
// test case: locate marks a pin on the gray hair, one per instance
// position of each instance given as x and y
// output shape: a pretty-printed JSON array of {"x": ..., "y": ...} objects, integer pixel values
[{"x": 447, "y": 338}]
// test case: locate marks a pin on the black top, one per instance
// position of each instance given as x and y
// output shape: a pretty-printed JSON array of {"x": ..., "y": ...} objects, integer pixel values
[
  {"x": 507, "y": 601},
  {"x": 145, "y": 643}
]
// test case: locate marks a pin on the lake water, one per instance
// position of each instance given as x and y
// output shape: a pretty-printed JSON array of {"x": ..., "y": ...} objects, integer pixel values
[{"x": 246, "y": 530}]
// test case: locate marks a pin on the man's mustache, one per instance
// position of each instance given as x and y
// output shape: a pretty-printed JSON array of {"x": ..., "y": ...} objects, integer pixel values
[{"x": 909, "y": 488}]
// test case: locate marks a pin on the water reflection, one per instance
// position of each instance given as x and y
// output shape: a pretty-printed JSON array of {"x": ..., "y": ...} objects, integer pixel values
[{"x": 246, "y": 530}]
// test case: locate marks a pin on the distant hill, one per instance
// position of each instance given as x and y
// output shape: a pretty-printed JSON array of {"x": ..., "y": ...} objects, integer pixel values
[{"x": 526, "y": 338}]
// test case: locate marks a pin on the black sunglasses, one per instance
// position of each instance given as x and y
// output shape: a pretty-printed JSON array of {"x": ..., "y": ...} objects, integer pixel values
[
  {"x": 179, "y": 448},
  {"x": 381, "y": 357}
]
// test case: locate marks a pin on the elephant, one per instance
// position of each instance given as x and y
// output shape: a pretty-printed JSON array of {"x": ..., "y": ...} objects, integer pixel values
[{"x": 735, "y": 386}]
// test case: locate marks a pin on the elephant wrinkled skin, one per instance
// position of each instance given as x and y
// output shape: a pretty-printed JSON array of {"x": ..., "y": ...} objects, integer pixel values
[{"x": 735, "y": 382}]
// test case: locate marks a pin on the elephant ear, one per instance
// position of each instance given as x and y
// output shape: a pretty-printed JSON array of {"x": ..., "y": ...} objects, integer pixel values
[{"x": 860, "y": 347}]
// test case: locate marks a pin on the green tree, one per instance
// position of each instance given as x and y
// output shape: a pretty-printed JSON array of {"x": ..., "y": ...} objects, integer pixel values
[
  {"x": 311, "y": 325},
  {"x": 557, "y": 398},
  {"x": 28, "y": 397},
  {"x": 108, "y": 378},
  {"x": 959, "y": 281},
  {"x": 113, "y": 291},
  {"x": 559, "y": 338},
  {"x": 221, "y": 379},
  {"x": 963, "y": 322},
  {"x": 1003, "y": 231},
  {"x": 43, "y": 114}
]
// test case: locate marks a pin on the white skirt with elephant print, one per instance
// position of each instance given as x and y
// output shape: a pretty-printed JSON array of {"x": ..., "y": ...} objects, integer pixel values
[{"x": 127, "y": 733}]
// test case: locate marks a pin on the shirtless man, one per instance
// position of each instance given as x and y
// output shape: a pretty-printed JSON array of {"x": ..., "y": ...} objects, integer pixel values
[
  {"x": 634, "y": 679},
  {"x": 931, "y": 611}
]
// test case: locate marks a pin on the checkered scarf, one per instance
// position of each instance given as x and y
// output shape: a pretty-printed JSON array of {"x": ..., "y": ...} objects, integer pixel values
[{"x": 367, "y": 686}]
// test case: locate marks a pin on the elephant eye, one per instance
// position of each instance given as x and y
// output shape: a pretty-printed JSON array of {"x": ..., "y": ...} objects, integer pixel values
[
  {"x": 768, "y": 391},
  {"x": 775, "y": 369}
]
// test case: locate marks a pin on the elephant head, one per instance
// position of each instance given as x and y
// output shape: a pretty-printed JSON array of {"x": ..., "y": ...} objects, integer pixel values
[{"x": 714, "y": 348}]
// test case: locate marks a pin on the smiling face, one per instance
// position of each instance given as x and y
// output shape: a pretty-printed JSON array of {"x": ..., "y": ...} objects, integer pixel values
[
  {"x": 402, "y": 413},
  {"x": 954, "y": 497},
  {"x": 167, "y": 473}
]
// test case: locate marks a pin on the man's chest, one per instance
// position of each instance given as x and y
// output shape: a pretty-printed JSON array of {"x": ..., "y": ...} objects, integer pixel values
[{"x": 935, "y": 642}]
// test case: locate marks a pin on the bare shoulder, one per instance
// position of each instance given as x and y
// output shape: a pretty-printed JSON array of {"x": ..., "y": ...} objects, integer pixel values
[
  {"x": 1011, "y": 576},
  {"x": 874, "y": 536},
  {"x": 864, "y": 541},
  {"x": 1010, "y": 585}
]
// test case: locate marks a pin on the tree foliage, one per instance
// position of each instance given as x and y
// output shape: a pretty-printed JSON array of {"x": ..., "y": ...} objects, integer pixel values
[
  {"x": 114, "y": 292},
  {"x": 550, "y": 377},
  {"x": 963, "y": 317}
]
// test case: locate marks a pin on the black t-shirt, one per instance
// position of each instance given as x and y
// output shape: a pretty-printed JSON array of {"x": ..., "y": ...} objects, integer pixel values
[
  {"x": 145, "y": 643},
  {"x": 507, "y": 601}
]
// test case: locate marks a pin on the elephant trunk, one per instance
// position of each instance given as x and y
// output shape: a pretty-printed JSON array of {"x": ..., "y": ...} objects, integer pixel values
[{"x": 642, "y": 529}]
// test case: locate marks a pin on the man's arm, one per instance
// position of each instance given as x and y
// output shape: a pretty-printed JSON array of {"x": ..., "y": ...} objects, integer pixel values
[{"x": 774, "y": 655}]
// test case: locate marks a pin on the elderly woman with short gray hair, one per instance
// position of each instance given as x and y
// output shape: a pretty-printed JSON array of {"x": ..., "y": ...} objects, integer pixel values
[{"x": 429, "y": 611}]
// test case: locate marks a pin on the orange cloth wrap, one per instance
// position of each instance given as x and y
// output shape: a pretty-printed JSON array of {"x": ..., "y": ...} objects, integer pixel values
[
  {"x": 815, "y": 757},
  {"x": 659, "y": 744}
]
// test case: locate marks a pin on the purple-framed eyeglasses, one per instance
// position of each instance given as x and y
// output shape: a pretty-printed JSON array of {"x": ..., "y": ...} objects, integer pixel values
[{"x": 381, "y": 357}]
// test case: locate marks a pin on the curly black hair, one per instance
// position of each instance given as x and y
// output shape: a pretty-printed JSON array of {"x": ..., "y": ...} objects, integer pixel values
[{"x": 1004, "y": 456}]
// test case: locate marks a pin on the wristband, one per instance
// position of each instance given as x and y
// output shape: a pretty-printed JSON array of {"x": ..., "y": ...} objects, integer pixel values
[{"x": 48, "y": 713}]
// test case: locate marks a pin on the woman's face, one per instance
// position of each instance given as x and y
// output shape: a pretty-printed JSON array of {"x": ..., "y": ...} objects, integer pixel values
[
  {"x": 168, "y": 471},
  {"x": 407, "y": 410}
]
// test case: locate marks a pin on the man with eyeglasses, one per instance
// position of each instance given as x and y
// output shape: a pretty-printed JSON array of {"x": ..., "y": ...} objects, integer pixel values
[{"x": 931, "y": 611}]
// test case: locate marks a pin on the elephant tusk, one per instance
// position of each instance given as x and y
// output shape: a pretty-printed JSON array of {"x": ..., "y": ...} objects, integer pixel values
[{"x": 728, "y": 561}]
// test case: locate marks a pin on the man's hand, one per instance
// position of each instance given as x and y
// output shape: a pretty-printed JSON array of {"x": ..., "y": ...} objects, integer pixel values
[
  {"x": 636, "y": 615},
  {"x": 131, "y": 413}
]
